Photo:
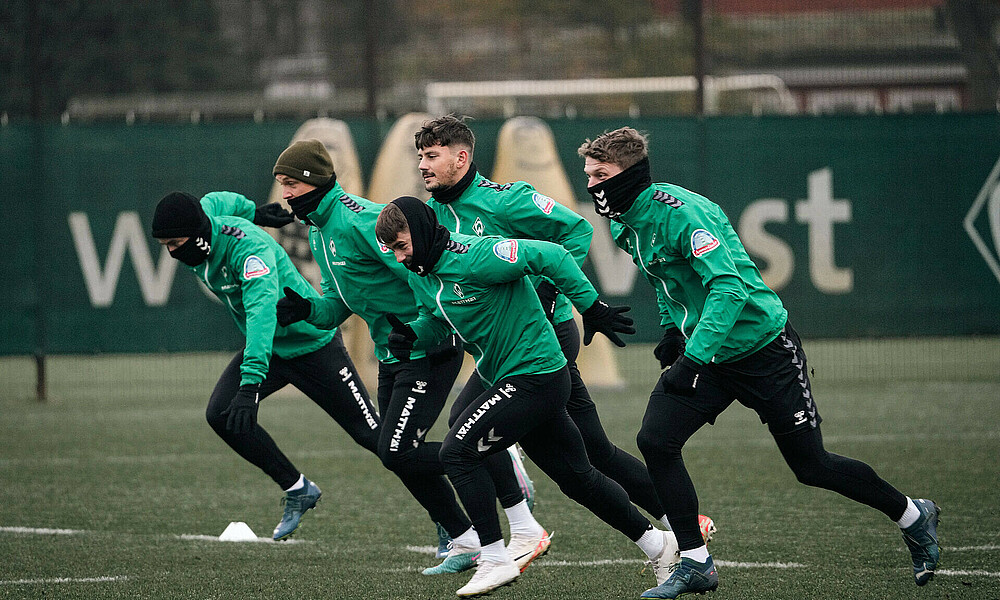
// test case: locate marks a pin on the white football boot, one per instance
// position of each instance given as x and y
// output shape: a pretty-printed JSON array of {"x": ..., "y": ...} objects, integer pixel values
[
  {"x": 523, "y": 549},
  {"x": 489, "y": 576},
  {"x": 666, "y": 561}
]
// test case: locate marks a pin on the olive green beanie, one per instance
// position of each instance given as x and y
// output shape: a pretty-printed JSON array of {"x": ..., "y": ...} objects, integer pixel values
[{"x": 307, "y": 161}]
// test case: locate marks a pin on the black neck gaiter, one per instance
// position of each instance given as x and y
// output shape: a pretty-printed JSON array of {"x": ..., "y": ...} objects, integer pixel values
[
  {"x": 429, "y": 238},
  {"x": 449, "y": 194},
  {"x": 195, "y": 250},
  {"x": 615, "y": 195},
  {"x": 306, "y": 204}
]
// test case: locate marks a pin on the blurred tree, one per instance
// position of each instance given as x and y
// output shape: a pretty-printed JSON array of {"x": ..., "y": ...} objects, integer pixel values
[{"x": 61, "y": 49}]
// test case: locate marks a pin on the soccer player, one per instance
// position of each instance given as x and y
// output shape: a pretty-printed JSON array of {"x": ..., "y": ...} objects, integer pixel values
[
  {"x": 728, "y": 337},
  {"x": 361, "y": 276},
  {"x": 476, "y": 286},
  {"x": 466, "y": 202},
  {"x": 245, "y": 268}
]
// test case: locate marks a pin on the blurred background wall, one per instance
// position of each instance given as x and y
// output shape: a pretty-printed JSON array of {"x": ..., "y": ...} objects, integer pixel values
[{"x": 852, "y": 144}]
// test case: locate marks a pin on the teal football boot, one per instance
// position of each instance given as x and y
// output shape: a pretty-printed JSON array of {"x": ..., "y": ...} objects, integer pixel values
[
  {"x": 444, "y": 542},
  {"x": 921, "y": 539},
  {"x": 296, "y": 502},
  {"x": 459, "y": 559},
  {"x": 689, "y": 577}
]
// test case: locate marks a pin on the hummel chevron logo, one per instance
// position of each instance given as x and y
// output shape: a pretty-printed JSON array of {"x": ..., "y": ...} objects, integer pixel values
[{"x": 492, "y": 438}]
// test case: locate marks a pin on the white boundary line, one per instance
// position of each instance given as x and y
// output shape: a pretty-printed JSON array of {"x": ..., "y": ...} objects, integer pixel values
[
  {"x": 64, "y": 580},
  {"x": 978, "y": 572},
  {"x": 179, "y": 536}
]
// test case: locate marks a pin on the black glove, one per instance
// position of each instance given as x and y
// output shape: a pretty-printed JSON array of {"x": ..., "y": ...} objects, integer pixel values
[
  {"x": 547, "y": 295},
  {"x": 670, "y": 347},
  {"x": 401, "y": 338},
  {"x": 446, "y": 350},
  {"x": 272, "y": 215},
  {"x": 609, "y": 320},
  {"x": 292, "y": 308},
  {"x": 242, "y": 410},
  {"x": 682, "y": 377}
]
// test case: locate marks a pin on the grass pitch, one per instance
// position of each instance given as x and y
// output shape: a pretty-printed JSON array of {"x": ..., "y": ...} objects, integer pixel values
[{"x": 117, "y": 488}]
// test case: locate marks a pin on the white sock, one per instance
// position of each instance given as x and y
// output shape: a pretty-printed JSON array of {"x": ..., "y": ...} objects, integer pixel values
[
  {"x": 468, "y": 539},
  {"x": 495, "y": 552},
  {"x": 298, "y": 484},
  {"x": 699, "y": 554},
  {"x": 666, "y": 523},
  {"x": 651, "y": 543},
  {"x": 521, "y": 520},
  {"x": 910, "y": 515}
]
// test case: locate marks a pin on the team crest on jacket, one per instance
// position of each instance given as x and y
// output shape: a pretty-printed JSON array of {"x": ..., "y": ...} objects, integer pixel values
[
  {"x": 253, "y": 266},
  {"x": 702, "y": 242},
  {"x": 478, "y": 227},
  {"x": 458, "y": 291},
  {"x": 543, "y": 202},
  {"x": 506, "y": 250}
]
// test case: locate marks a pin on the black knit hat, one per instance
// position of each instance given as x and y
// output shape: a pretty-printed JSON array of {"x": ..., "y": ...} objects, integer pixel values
[
  {"x": 307, "y": 161},
  {"x": 178, "y": 214}
]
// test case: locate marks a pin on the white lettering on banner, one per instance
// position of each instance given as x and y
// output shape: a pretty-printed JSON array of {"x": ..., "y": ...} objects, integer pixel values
[
  {"x": 778, "y": 258},
  {"x": 155, "y": 283},
  {"x": 821, "y": 211}
]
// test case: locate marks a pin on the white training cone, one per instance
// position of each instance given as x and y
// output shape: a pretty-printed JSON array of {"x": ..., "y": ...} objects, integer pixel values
[{"x": 238, "y": 531}]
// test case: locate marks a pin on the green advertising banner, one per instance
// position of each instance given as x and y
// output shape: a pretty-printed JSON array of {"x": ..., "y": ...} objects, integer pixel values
[{"x": 866, "y": 226}]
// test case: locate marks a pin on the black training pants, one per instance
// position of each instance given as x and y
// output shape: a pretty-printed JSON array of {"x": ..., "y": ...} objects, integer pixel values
[
  {"x": 530, "y": 409},
  {"x": 609, "y": 459},
  {"x": 411, "y": 395},
  {"x": 774, "y": 382},
  {"x": 327, "y": 376}
]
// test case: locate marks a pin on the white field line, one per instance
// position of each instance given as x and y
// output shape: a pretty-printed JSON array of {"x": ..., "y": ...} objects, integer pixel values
[
  {"x": 547, "y": 562},
  {"x": 63, "y": 580},
  {"x": 976, "y": 573},
  {"x": 43, "y": 531},
  {"x": 179, "y": 536},
  {"x": 627, "y": 561}
]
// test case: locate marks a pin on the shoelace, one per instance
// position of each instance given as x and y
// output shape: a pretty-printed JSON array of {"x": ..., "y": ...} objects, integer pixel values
[{"x": 653, "y": 562}]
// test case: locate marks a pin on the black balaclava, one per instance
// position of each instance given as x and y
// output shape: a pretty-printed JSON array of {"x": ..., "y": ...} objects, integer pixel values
[
  {"x": 180, "y": 215},
  {"x": 304, "y": 205},
  {"x": 448, "y": 194},
  {"x": 429, "y": 238},
  {"x": 615, "y": 195}
]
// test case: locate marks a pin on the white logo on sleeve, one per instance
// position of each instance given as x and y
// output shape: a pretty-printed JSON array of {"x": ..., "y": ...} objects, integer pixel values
[
  {"x": 543, "y": 202},
  {"x": 253, "y": 267},
  {"x": 702, "y": 242},
  {"x": 506, "y": 250}
]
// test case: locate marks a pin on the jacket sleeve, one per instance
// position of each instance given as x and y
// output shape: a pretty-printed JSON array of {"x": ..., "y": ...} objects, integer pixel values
[
  {"x": 329, "y": 310},
  {"x": 218, "y": 204},
  {"x": 510, "y": 259},
  {"x": 537, "y": 217},
  {"x": 701, "y": 242},
  {"x": 258, "y": 273}
]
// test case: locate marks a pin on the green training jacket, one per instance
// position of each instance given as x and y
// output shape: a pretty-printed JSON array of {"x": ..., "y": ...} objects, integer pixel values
[
  {"x": 705, "y": 282},
  {"x": 478, "y": 288},
  {"x": 246, "y": 269},
  {"x": 516, "y": 210},
  {"x": 360, "y": 275}
]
